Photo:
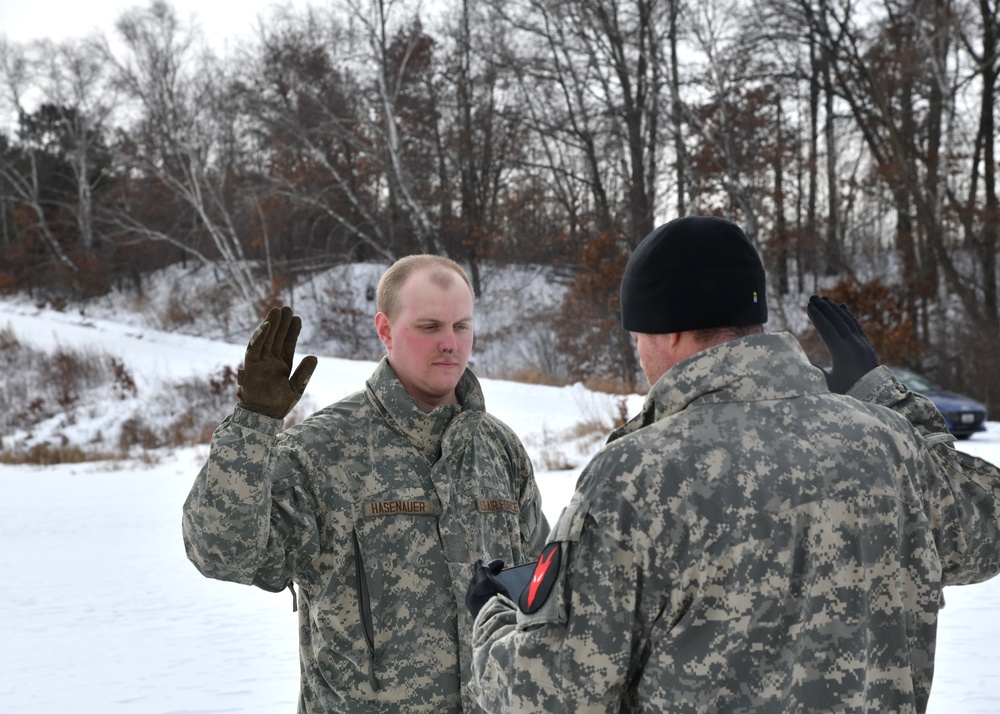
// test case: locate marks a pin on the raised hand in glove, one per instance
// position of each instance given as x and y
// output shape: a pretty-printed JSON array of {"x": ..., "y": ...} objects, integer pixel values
[
  {"x": 852, "y": 354},
  {"x": 484, "y": 585},
  {"x": 266, "y": 382}
]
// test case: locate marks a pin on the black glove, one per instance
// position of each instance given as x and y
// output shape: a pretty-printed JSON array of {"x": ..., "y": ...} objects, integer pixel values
[
  {"x": 484, "y": 585},
  {"x": 264, "y": 383},
  {"x": 852, "y": 354}
]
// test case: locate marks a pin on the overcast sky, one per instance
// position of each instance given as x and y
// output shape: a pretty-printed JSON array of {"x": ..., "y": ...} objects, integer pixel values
[{"x": 26, "y": 20}]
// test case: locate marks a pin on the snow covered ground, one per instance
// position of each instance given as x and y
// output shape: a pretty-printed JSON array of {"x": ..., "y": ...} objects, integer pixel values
[{"x": 100, "y": 611}]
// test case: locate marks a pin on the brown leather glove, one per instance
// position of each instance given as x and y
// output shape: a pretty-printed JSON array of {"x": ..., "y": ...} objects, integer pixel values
[{"x": 264, "y": 382}]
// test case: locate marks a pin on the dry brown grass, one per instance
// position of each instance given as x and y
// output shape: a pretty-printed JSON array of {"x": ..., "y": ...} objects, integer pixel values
[
  {"x": 533, "y": 375},
  {"x": 45, "y": 454}
]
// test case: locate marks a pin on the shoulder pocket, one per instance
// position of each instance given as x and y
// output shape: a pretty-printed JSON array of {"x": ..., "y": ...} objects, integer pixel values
[{"x": 546, "y": 598}]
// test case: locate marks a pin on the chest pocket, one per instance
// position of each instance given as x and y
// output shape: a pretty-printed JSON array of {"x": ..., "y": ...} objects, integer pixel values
[
  {"x": 546, "y": 599},
  {"x": 401, "y": 579},
  {"x": 483, "y": 519},
  {"x": 394, "y": 525}
]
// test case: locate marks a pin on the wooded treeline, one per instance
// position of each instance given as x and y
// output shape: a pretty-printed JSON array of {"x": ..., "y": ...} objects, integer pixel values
[{"x": 851, "y": 140}]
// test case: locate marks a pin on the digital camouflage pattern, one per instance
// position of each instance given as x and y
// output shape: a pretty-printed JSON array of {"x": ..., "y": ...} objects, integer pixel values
[
  {"x": 376, "y": 511},
  {"x": 750, "y": 543}
]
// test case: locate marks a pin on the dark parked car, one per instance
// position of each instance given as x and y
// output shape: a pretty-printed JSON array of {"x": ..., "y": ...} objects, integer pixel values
[{"x": 965, "y": 416}]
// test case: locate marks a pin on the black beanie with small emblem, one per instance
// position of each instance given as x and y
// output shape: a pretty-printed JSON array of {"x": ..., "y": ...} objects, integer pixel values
[{"x": 693, "y": 273}]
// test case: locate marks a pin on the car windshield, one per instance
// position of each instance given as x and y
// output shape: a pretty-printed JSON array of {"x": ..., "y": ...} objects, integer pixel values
[{"x": 913, "y": 381}]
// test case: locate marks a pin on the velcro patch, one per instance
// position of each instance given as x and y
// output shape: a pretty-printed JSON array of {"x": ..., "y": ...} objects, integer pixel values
[
  {"x": 542, "y": 579},
  {"x": 398, "y": 508}
]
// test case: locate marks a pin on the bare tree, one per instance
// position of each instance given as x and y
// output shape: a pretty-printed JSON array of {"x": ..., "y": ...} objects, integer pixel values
[
  {"x": 353, "y": 123},
  {"x": 681, "y": 162},
  {"x": 594, "y": 79},
  {"x": 482, "y": 139},
  {"x": 893, "y": 72},
  {"x": 979, "y": 208},
  {"x": 75, "y": 82},
  {"x": 733, "y": 116},
  {"x": 59, "y": 94},
  {"x": 378, "y": 20},
  {"x": 182, "y": 140}
]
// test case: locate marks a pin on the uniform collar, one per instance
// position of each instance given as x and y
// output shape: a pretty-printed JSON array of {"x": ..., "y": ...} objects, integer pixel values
[
  {"x": 753, "y": 368},
  {"x": 425, "y": 430}
]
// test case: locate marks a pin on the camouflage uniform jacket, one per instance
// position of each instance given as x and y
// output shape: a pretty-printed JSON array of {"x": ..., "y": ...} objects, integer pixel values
[
  {"x": 749, "y": 543},
  {"x": 375, "y": 510}
]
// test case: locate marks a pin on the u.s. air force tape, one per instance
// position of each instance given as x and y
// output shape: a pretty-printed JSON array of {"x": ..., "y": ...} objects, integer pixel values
[{"x": 497, "y": 505}]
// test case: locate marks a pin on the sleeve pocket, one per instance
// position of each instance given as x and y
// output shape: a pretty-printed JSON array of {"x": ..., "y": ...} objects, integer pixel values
[{"x": 546, "y": 599}]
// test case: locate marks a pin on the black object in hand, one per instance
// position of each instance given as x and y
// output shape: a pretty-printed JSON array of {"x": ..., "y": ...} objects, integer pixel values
[{"x": 484, "y": 585}]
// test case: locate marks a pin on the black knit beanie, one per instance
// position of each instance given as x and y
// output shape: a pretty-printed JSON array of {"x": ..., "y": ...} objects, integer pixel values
[{"x": 693, "y": 273}]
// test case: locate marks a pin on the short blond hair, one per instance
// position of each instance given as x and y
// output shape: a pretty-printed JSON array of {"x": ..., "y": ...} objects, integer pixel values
[{"x": 391, "y": 282}]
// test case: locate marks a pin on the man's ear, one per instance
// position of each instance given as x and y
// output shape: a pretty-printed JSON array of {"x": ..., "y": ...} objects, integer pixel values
[{"x": 384, "y": 329}]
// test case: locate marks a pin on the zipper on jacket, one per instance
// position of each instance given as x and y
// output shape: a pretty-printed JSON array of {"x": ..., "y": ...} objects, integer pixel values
[{"x": 365, "y": 609}]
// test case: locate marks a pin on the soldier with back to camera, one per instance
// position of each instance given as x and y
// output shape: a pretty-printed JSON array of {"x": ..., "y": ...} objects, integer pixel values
[{"x": 753, "y": 541}]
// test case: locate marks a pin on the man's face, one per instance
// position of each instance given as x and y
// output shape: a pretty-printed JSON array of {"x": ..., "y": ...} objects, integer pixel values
[
  {"x": 655, "y": 355},
  {"x": 429, "y": 341}
]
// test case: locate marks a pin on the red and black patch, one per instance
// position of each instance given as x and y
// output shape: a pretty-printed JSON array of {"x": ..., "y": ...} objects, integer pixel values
[{"x": 542, "y": 579}]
